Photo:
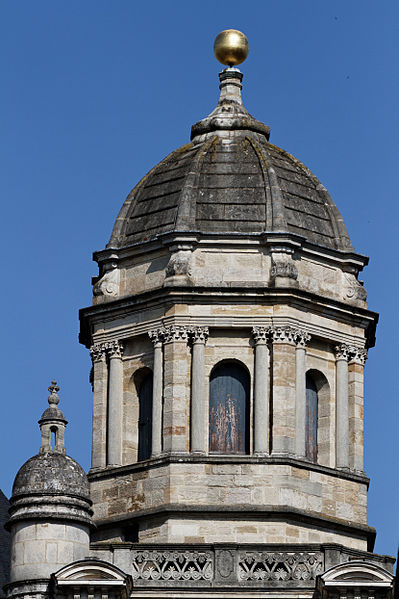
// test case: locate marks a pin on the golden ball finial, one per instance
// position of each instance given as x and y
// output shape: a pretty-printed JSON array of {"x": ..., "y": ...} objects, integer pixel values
[{"x": 231, "y": 47}]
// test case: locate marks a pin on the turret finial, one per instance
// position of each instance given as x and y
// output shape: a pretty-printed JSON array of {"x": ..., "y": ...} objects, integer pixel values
[
  {"x": 231, "y": 47},
  {"x": 53, "y": 398}
]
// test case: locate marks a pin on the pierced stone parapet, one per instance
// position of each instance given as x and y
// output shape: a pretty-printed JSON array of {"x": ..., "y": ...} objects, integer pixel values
[
  {"x": 172, "y": 565},
  {"x": 281, "y": 566}
]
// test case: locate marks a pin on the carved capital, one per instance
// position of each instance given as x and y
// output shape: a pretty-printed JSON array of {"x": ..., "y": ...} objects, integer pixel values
[
  {"x": 114, "y": 349},
  {"x": 199, "y": 334},
  {"x": 358, "y": 355},
  {"x": 98, "y": 352},
  {"x": 343, "y": 351},
  {"x": 261, "y": 334},
  {"x": 283, "y": 334},
  {"x": 301, "y": 337},
  {"x": 157, "y": 335},
  {"x": 176, "y": 333}
]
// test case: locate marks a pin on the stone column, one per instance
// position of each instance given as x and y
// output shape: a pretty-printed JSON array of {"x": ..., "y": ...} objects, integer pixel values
[
  {"x": 342, "y": 353},
  {"x": 176, "y": 389},
  {"x": 261, "y": 390},
  {"x": 283, "y": 399},
  {"x": 115, "y": 399},
  {"x": 100, "y": 383},
  {"x": 301, "y": 338},
  {"x": 198, "y": 403},
  {"x": 355, "y": 391},
  {"x": 157, "y": 338}
]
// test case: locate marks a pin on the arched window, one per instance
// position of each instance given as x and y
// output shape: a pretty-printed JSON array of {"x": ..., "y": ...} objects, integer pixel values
[
  {"x": 311, "y": 424},
  {"x": 229, "y": 409},
  {"x": 145, "y": 417}
]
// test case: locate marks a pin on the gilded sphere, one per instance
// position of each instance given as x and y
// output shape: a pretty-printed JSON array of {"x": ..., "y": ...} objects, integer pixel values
[{"x": 231, "y": 47}]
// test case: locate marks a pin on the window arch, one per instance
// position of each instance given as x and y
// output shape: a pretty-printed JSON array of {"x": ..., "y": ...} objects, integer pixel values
[
  {"x": 229, "y": 408},
  {"x": 311, "y": 419},
  {"x": 144, "y": 392}
]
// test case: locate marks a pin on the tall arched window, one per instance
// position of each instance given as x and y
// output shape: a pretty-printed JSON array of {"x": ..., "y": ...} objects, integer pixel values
[
  {"x": 312, "y": 416},
  {"x": 145, "y": 417},
  {"x": 229, "y": 409}
]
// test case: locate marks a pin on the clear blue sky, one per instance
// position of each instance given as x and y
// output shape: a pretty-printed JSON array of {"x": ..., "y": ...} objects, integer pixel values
[{"x": 94, "y": 93}]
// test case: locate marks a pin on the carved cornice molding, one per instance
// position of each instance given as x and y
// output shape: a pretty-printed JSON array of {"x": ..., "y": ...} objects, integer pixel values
[
  {"x": 199, "y": 334},
  {"x": 98, "y": 352}
]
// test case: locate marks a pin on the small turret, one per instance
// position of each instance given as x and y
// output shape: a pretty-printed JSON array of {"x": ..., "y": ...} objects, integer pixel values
[{"x": 50, "y": 510}]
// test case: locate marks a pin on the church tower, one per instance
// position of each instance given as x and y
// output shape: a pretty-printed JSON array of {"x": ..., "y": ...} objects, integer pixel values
[{"x": 228, "y": 334}]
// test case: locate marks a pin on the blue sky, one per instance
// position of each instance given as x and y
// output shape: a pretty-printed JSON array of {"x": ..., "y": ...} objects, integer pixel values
[{"x": 94, "y": 93}]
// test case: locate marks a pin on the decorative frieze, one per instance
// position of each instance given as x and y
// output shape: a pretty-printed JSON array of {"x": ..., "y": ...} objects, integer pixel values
[
  {"x": 283, "y": 268},
  {"x": 260, "y": 565},
  {"x": 283, "y": 334},
  {"x": 173, "y": 565}
]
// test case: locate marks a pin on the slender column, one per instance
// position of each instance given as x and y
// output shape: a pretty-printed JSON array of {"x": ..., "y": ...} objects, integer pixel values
[
  {"x": 198, "y": 413},
  {"x": 342, "y": 408},
  {"x": 115, "y": 399},
  {"x": 284, "y": 425},
  {"x": 355, "y": 390},
  {"x": 261, "y": 390},
  {"x": 157, "y": 337},
  {"x": 100, "y": 382},
  {"x": 176, "y": 389},
  {"x": 301, "y": 338}
]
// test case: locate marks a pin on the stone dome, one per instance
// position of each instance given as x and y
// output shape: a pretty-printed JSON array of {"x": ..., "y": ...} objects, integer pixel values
[
  {"x": 230, "y": 180},
  {"x": 51, "y": 473}
]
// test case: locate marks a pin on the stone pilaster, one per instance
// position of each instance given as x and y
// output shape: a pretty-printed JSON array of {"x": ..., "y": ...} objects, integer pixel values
[
  {"x": 355, "y": 391},
  {"x": 342, "y": 353},
  {"x": 115, "y": 399},
  {"x": 199, "y": 415},
  {"x": 284, "y": 371},
  {"x": 176, "y": 389},
  {"x": 261, "y": 390},
  {"x": 301, "y": 339},
  {"x": 156, "y": 337},
  {"x": 100, "y": 384}
]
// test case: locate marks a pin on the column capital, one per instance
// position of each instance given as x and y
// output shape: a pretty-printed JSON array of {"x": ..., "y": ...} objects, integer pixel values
[
  {"x": 114, "y": 349},
  {"x": 176, "y": 333},
  {"x": 261, "y": 334},
  {"x": 157, "y": 335},
  {"x": 301, "y": 337},
  {"x": 358, "y": 355},
  {"x": 98, "y": 352},
  {"x": 284, "y": 334},
  {"x": 343, "y": 351},
  {"x": 199, "y": 334}
]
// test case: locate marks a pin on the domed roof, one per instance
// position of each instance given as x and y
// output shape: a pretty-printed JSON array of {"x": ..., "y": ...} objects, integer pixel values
[
  {"x": 51, "y": 473},
  {"x": 230, "y": 179}
]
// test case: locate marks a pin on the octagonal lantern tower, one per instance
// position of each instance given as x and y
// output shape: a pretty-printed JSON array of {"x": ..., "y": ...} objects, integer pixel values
[{"x": 229, "y": 333}]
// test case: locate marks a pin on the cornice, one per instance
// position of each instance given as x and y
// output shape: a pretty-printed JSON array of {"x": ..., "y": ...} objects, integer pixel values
[{"x": 333, "y": 309}]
